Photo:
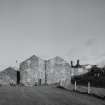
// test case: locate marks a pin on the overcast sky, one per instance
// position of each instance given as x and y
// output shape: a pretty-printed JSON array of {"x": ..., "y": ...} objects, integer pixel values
[{"x": 71, "y": 29}]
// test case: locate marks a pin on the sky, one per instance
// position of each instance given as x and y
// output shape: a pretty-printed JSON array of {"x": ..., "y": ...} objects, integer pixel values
[{"x": 71, "y": 29}]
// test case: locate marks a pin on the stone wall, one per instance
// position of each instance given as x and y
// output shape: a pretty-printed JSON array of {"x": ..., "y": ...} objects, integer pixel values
[
  {"x": 32, "y": 71},
  {"x": 58, "y": 71},
  {"x": 78, "y": 71},
  {"x": 35, "y": 70},
  {"x": 8, "y": 76}
]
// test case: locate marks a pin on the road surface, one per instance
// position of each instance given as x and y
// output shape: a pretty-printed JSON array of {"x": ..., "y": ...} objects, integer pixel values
[{"x": 44, "y": 96}]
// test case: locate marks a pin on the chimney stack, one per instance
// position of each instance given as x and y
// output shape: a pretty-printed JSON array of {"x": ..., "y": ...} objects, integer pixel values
[
  {"x": 78, "y": 63},
  {"x": 71, "y": 63}
]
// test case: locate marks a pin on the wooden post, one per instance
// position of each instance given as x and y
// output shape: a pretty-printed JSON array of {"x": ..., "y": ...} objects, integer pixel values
[
  {"x": 75, "y": 88},
  {"x": 88, "y": 87},
  {"x": 59, "y": 83}
]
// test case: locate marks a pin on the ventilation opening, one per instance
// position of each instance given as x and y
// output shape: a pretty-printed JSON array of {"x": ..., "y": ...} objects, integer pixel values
[{"x": 18, "y": 77}]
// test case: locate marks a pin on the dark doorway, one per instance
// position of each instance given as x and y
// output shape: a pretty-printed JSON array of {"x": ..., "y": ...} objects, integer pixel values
[
  {"x": 39, "y": 82},
  {"x": 18, "y": 77}
]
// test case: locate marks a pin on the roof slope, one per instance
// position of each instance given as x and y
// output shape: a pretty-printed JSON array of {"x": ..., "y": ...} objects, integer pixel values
[{"x": 7, "y": 76}]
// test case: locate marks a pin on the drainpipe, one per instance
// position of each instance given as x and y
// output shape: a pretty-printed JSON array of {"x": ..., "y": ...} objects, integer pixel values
[{"x": 45, "y": 72}]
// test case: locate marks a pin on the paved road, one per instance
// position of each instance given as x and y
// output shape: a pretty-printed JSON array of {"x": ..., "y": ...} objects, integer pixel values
[{"x": 44, "y": 96}]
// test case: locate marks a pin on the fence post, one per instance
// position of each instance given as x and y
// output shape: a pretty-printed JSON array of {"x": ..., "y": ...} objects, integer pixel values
[
  {"x": 88, "y": 87},
  {"x": 60, "y": 83},
  {"x": 75, "y": 88}
]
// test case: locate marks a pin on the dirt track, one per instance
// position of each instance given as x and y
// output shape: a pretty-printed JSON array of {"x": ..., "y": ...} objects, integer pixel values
[{"x": 44, "y": 96}]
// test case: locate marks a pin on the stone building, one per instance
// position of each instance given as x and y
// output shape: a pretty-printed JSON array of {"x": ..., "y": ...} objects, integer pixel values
[
  {"x": 32, "y": 71},
  {"x": 58, "y": 70},
  {"x": 8, "y": 76},
  {"x": 78, "y": 69},
  {"x": 35, "y": 71}
]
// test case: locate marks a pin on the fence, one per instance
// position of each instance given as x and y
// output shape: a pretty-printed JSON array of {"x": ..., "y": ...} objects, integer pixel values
[{"x": 78, "y": 88}]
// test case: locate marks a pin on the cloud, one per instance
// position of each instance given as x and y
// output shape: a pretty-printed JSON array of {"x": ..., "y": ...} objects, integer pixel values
[
  {"x": 90, "y": 41},
  {"x": 91, "y": 51}
]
